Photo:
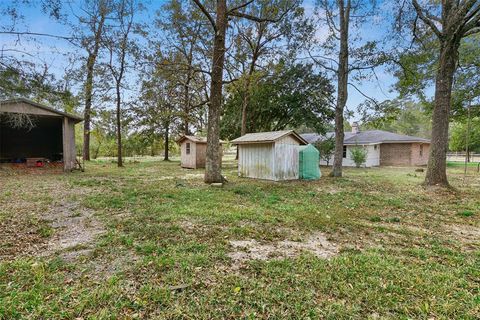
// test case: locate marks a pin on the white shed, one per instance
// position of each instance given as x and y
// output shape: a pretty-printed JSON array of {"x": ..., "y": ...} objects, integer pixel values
[
  {"x": 269, "y": 155},
  {"x": 193, "y": 151}
]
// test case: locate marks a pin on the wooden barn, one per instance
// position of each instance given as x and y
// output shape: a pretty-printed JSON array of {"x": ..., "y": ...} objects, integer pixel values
[
  {"x": 269, "y": 155},
  {"x": 49, "y": 137},
  {"x": 193, "y": 151}
]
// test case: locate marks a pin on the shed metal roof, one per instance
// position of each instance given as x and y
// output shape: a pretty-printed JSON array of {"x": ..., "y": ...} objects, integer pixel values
[
  {"x": 42, "y": 106},
  {"x": 267, "y": 137},
  {"x": 195, "y": 139},
  {"x": 367, "y": 137}
]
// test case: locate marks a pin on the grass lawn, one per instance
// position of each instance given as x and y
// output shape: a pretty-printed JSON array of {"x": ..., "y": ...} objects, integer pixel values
[{"x": 152, "y": 241}]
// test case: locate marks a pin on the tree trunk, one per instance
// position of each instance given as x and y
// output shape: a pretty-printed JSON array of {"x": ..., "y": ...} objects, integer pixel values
[
  {"x": 187, "y": 103},
  {"x": 342, "y": 89},
  {"x": 167, "y": 144},
  {"x": 186, "y": 131},
  {"x": 92, "y": 58},
  {"x": 88, "y": 106},
  {"x": 119, "y": 130},
  {"x": 213, "y": 161},
  {"x": 245, "y": 102},
  {"x": 248, "y": 81},
  {"x": 246, "y": 97},
  {"x": 97, "y": 151},
  {"x": 437, "y": 161},
  {"x": 152, "y": 149}
]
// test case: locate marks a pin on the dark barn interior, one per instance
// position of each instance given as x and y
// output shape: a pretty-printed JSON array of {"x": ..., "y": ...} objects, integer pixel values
[
  {"x": 34, "y": 135},
  {"x": 44, "y": 140}
]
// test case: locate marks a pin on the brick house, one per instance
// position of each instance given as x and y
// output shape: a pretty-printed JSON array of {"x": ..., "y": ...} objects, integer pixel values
[{"x": 383, "y": 148}]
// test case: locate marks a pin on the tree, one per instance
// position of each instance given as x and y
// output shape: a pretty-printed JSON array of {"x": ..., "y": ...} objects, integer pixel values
[
  {"x": 159, "y": 107},
  {"x": 288, "y": 95},
  {"x": 326, "y": 148},
  {"x": 219, "y": 25},
  {"x": 119, "y": 45},
  {"x": 96, "y": 14},
  {"x": 103, "y": 133},
  {"x": 450, "y": 21},
  {"x": 458, "y": 138},
  {"x": 402, "y": 116},
  {"x": 183, "y": 40},
  {"x": 264, "y": 39},
  {"x": 340, "y": 15}
]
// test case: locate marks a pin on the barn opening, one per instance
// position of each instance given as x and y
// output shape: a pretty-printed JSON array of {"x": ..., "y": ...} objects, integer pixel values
[
  {"x": 42, "y": 140},
  {"x": 36, "y": 135}
]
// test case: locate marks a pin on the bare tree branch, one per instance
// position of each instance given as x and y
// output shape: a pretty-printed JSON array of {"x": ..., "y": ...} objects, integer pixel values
[
  {"x": 363, "y": 94},
  {"x": 322, "y": 64},
  {"x": 243, "y": 5},
  {"x": 426, "y": 18},
  {"x": 206, "y": 13},
  {"x": 472, "y": 31},
  {"x": 26, "y": 33}
]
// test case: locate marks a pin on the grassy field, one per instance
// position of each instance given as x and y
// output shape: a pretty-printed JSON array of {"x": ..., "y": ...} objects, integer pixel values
[{"x": 152, "y": 241}]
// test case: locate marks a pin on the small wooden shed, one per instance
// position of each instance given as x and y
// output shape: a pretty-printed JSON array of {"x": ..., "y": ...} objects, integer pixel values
[
  {"x": 193, "y": 151},
  {"x": 51, "y": 138},
  {"x": 269, "y": 155}
]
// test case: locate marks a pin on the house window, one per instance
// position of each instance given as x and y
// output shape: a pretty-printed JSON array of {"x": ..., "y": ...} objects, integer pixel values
[
  {"x": 188, "y": 148},
  {"x": 421, "y": 150},
  {"x": 344, "y": 151},
  {"x": 375, "y": 147}
]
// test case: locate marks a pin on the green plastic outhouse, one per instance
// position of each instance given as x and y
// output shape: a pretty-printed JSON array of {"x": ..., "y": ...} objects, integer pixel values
[{"x": 309, "y": 160}]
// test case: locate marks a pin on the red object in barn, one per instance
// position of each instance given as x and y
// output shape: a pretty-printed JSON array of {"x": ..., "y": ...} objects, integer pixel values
[{"x": 39, "y": 163}]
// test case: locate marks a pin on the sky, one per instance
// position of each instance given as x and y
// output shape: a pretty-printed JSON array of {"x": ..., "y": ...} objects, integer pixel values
[{"x": 52, "y": 51}]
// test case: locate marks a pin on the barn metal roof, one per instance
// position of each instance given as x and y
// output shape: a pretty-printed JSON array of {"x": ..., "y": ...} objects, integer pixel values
[
  {"x": 42, "y": 106},
  {"x": 366, "y": 137},
  {"x": 267, "y": 137}
]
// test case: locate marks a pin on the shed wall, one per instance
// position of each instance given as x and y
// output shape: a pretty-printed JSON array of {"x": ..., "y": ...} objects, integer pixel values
[
  {"x": 200, "y": 154},
  {"x": 188, "y": 160},
  {"x": 256, "y": 160},
  {"x": 287, "y": 140},
  {"x": 286, "y": 166}
]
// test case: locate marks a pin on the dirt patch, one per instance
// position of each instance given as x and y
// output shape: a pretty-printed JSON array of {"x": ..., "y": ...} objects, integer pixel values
[
  {"x": 75, "y": 229},
  {"x": 465, "y": 234},
  {"x": 104, "y": 266},
  {"x": 316, "y": 244}
]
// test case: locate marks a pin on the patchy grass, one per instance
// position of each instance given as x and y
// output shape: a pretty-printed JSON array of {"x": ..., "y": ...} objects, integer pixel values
[{"x": 167, "y": 249}]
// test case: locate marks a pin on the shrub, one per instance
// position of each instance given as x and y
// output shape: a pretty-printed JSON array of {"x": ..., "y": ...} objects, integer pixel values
[{"x": 358, "y": 155}]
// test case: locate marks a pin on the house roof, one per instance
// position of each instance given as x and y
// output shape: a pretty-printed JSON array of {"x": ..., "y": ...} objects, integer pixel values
[
  {"x": 195, "y": 139},
  {"x": 366, "y": 137},
  {"x": 268, "y": 137},
  {"x": 42, "y": 106}
]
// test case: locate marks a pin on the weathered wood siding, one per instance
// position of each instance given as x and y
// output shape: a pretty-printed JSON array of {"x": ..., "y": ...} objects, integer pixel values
[
  {"x": 286, "y": 162},
  {"x": 256, "y": 161},
  {"x": 286, "y": 157},
  {"x": 197, "y": 157},
  {"x": 69, "y": 151},
  {"x": 201, "y": 155},
  {"x": 188, "y": 160}
]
